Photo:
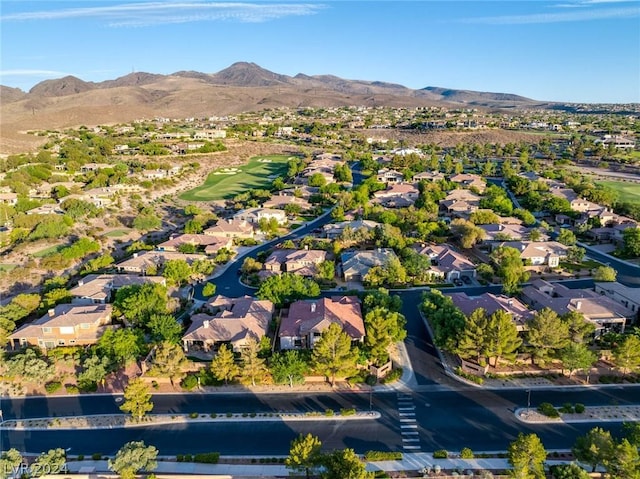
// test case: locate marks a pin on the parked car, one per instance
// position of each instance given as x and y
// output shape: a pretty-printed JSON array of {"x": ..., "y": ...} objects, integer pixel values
[{"x": 458, "y": 282}]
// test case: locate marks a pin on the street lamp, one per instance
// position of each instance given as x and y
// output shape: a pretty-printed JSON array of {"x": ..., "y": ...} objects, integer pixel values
[{"x": 528, "y": 400}]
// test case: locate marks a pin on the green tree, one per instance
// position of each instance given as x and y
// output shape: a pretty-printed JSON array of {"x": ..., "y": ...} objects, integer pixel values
[
  {"x": 94, "y": 371},
  {"x": 288, "y": 367},
  {"x": 133, "y": 457},
  {"x": 147, "y": 221},
  {"x": 509, "y": 268},
  {"x": 344, "y": 464},
  {"x": 137, "y": 303},
  {"x": 624, "y": 463},
  {"x": 472, "y": 342},
  {"x": 253, "y": 369},
  {"x": 445, "y": 318},
  {"x": 568, "y": 471},
  {"x": 577, "y": 356},
  {"x": 502, "y": 340},
  {"x": 326, "y": 270},
  {"x": 193, "y": 226},
  {"x": 223, "y": 366},
  {"x": 575, "y": 254},
  {"x": 594, "y": 448},
  {"x": 177, "y": 272},
  {"x": 627, "y": 354},
  {"x": 121, "y": 345},
  {"x": 304, "y": 454},
  {"x": 567, "y": 237},
  {"x": 164, "y": 327},
  {"x": 54, "y": 461},
  {"x": 29, "y": 366},
  {"x": 383, "y": 328},
  {"x": 208, "y": 290},
  {"x": 526, "y": 456},
  {"x": 605, "y": 273},
  {"x": 631, "y": 432},
  {"x": 168, "y": 361},
  {"x": 547, "y": 334},
  {"x": 579, "y": 327},
  {"x": 467, "y": 233},
  {"x": 332, "y": 354},
  {"x": 287, "y": 287},
  {"x": 317, "y": 180},
  {"x": 137, "y": 399},
  {"x": 631, "y": 239},
  {"x": 9, "y": 461}
]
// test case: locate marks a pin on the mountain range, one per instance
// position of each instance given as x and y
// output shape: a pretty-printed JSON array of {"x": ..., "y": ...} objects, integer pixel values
[{"x": 242, "y": 87}]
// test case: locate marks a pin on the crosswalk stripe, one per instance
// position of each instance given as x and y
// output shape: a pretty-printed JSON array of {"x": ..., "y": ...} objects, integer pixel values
[
  {"x": 408, "y": 408},
  {"x": 410, "y": 433},
  {"x": 404, "y": 414},
  {"x": 407, "y": 419},
  {"x": 411, "y": 447},
  {"x": 409, "y": 426},
  {"x": 410, "y": 439}
]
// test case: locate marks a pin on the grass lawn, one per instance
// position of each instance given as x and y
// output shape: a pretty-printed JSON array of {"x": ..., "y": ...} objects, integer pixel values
[
  {"x": 627, "y": 192},
  {"x": 586, "y": 264},
  {"x": 48, "y": 251},
  {"x": 116, "y": 233},
  {"x": 223, "y": 183},
  {"x": 7, "y": 267}
]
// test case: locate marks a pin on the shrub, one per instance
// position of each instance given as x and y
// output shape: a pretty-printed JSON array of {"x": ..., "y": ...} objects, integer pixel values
[
  {"x": 469, "y": 377},
  {"x": 154, "y": 384},
  {"x": 392, "y": 376},
  {"x": 52, "y": 386},
  {"x": 466, "y": 453},
  {"x": 189, "y": 382},
  {"x": 207, "y": 457},
  {"x": 72, "y": 388},
  {"x": 213, "y": 415},
  {"x": 80, "y": 457},
  {"x": 347, "y": 412},
  {"x": 383, "y": 456},
  {"x": 567, "y": 408},
  {"x": 548, "y": 410},
  {"x": 188, "y": 458},
  {"x": 229, "y": 414},
  {"x": 179, "y": 458},
  {"x": 579, "y": 408},
  {"x": 193, "y": 415},
  {"x": 328, "y": 412},
  {"x": 440, "y": 454},
  {"x": 96, "y": 456}
]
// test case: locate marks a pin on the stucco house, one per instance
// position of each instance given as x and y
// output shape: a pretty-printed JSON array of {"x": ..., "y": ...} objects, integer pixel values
[{"x": 356, "y": 264}]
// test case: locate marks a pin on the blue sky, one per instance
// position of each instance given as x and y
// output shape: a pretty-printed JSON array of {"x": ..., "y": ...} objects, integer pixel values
[{"x": 563, "y": 50}]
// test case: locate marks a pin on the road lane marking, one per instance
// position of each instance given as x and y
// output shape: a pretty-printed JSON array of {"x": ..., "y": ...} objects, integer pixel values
[
  {"x": 406, "y": 414},
  {"x": 409, "y": 426}
]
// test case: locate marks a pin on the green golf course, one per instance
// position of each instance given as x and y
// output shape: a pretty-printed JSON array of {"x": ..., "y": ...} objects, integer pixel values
[{"x": 225, "y": 183}]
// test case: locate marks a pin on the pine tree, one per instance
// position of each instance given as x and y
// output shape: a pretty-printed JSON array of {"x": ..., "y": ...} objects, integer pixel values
[
  {"x": 304, "y": 454},
  {"x": 547, "y": 333},
  {"x": 223, "y": 366},
  {"x": 137, "y": 399},
  {"x": 627, "y": 354},
  {"x": 332, "y": 354},
  {"x": 473, "y": 340},
  {"x": 527, "y": 455},
  {"x": 502, "y": 337},
  {"x": 253, "y": 368}
]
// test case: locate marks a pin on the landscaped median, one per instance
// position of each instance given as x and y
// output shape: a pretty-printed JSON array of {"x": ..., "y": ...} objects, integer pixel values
[
  {"x": 112, "y": 421},
  {"x": 578, "y": 413}
]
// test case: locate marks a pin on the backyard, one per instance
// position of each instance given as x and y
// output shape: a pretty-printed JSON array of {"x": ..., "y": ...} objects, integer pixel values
[{"x": 224, "y": 183}]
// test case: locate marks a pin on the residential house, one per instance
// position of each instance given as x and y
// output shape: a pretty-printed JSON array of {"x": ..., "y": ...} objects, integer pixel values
[
  {"x": 305, "y": 321},
  {"x": 254, "y": 215},
  {"x": 9, "y": 199},
  {"x": 624, "y": 295},
  {"x": 210, "y": 134},
  {"x": 87, "y": 167},
  {"x": 605, "y": 313},
  {"x": 210, "y": 244},
  {"x": 356, "y": 264},
  {"x": 397, "y": 195},
  {"x": 491, "y": 303},
  {"x": 64, "y": 325},
  {"x": 428, "y": 176},
  {"x": 101, "y": 288},
  {"x": 387, "y": 175},
  {"x": 335, "y": 230},
  {"x": 538, "y": 253},
  {"x": 618, "y": 141},
  {"x": 231, "y": 228},
  {"x": 302, "y": 191},
  {"x": 281, "y": 201},
  {"x": 302, "y": 262},
  {"x": 145, "y": 261},
  {"x": 229, "y": 321},
  {"x": 447, "y": 263},
  {"x": 469, "y": 181},
  {"x": 460, "y": 203},
  {"x": 506, "y": 232}
]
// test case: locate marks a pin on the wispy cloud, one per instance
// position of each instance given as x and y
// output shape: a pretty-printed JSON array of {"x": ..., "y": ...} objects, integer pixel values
[
  {"x": 589, "y": 3},
  {"x": 581, "y": 15},
  {"x": 157, "y": 13}
]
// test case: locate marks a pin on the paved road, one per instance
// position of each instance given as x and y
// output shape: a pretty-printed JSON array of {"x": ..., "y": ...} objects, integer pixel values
[
  {"x": 444, "y": 418},
  {"x": 628, "y": 274}
]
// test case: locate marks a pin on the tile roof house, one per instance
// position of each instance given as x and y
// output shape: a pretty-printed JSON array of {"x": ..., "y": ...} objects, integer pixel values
[
  {"x": 447, "y": 263},
  {"x": 428, "y": 176},
  {"x": 65, "y": 325},
  {"x": 232, "y": 321},
  {"x": 356, "y": 264},
  {"x": 502, "y": 232},
  {"x": 335, "y": 230},
  {"x": 143, "y": 261},
  {"x": 281, "y": 201},
  {"x": 231, "y": 229},
  {"x": 211, "y": 244},
  {"x": 548, "y": 253},
  {"x": 307, "y": 319},
  {"x": 460, "y": 203},
  {"x": 254, "y": 215},
  {"x": 397, "y": 195},
  {"x": 603, "y": 312},
  {"x": 386, "y": 175},
  {"x": 100, "y": 288},
  {"x": 302, "y": 262},
  {"x": 491, "y": 303},
  {"x": 624, "y": 295},
  {"x": 9, "y": 198},
  {"x": 469, "y": 181}
]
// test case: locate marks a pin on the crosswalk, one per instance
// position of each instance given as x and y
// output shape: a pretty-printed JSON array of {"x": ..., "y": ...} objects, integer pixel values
[{"x": 408, "y": 425}]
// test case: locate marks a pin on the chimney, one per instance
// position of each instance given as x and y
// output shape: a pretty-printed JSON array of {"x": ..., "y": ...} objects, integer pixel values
[
  {"x": 578, "y": 305},
  {"x": 313, "y": 307},
  {"x": 205, "y": 323},
  {"x": 52, "y": 312},
  {"x": 306, "y": 247},
  {"x": 81, "y": 282},
  {"x": 135, "y": 255}
]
